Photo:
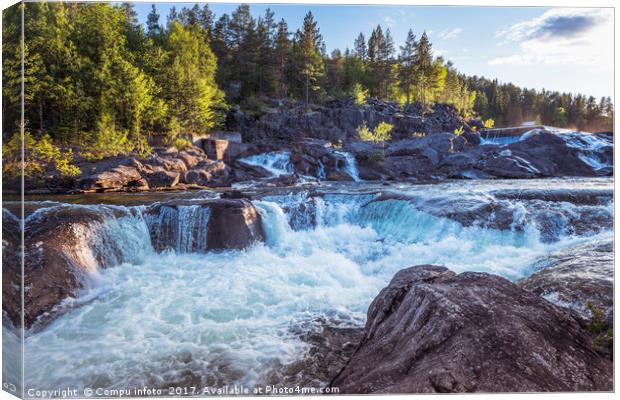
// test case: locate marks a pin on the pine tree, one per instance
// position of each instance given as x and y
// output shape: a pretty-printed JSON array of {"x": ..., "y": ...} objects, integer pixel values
[
  {"x": 152, "y": 23},
  {"x": 282, "y": 51},
  {"x": 359, "y": 47},
  {"x": 189, "y": 80},
  {"x": 424, "y": 67},
  {"x": 407, "y": 65},
  {"x": 308, "y": 45}
]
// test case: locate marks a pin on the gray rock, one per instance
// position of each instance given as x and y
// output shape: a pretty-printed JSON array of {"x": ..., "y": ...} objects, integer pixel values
[{"x": 430, "y": 330}]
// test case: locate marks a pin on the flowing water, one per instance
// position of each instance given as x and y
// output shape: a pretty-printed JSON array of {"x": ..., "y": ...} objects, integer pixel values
[
  {"x": 185, "y": 316},
  {"x": 590, "y": 146},
  {"x": 277, "y": 162}
]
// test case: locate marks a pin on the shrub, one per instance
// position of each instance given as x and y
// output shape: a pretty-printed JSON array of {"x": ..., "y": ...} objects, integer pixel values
[
  {"x": 181, "y": 143},
  {"x": 37, "y": 156},
  {"x": 488, "y": 123},
  {"x": 598, "y": 318},
  {"x": 254, "y": 106},
  {"x": 380, "y": 134},
  {"x": 359, "y": 94},
  {"x": 107, "y": 140}
]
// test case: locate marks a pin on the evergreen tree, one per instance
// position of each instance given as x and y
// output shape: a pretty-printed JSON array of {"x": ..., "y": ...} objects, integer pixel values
[
  {"x": 424, "y": 67},
  {"x": 282, "y": 51},
  {"x": 152, "y": 23},
  {"x": 407, "y": 65},
  {"x": 360, "y": 48},
  {"x": 307, "y": 50}
]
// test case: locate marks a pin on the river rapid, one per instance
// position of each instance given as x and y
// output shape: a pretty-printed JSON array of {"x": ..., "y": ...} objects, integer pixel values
[{"x": 189, "y": 317}]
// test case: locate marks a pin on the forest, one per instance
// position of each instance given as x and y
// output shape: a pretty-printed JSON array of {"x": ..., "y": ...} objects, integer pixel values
[{"x": 97, "y": 79}]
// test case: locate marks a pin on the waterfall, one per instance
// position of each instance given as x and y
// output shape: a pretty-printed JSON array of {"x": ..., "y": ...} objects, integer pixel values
[
  {"x": 350, "y": 166},
  {"x": 182, "y": 228},
  {"x": 100, "y": 236},
  {"x": 277, "y": 163},
  {"x": 320, "y": 173},
  {"x": 591, "y": 148}
]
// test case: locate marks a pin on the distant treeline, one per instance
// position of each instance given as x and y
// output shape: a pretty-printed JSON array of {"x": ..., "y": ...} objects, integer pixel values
[{"x": 96, "y": 77}]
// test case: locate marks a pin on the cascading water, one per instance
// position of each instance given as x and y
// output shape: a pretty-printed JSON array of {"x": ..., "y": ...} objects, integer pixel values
[
  {"x": 235, "y": 317},
  {"x": 350, "y": 167},
  {"x": 179, "y": 228},
  {"x": 277, "y": 163}
]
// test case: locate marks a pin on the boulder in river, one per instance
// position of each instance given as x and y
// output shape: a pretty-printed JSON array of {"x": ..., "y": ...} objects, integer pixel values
[
  {"x": 64, "y": 245},
  {"x": 580, "y": 279},
  {"x": 234, "y": 224},
  {"x": 431, "y": 330}
]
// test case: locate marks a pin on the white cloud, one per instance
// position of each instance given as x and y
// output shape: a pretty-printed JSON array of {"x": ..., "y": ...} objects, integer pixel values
[
  {"x": 561, "y": 36},
  {"x": 389, "y": 21},
  {"x": 450, "y": 34}
]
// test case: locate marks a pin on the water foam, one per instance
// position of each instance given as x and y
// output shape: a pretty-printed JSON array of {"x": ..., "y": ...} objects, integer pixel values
[
  {"x": 277, "y": 162},
  {"x": 231, "y": 318}
]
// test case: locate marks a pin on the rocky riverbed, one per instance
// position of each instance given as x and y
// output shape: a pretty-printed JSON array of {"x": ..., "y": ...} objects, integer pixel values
[
  {"x": 511, "y": 287},
  {"x": 291, "y": 144}
]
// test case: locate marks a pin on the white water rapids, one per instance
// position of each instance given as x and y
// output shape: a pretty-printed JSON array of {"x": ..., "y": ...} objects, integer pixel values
[{"x": 189, "y": 318}]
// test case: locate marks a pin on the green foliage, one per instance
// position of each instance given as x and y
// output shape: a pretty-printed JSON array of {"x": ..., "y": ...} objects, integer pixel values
[
  {"x": 359, "y": 94},
  {"x": 181, "y": 143},
  {"x": 598, "y": 318},
  {"x": 38, "y": 156},
  {"x": 95, "y": 77},
  {"x": 254, "y": 106},
  {"x": 108, "y": 140},
  {"x": 488, "y": 123},
  {"x": 382, "y": 131},
  {"x": 459, "y": 131},
  {"x": 380, "y": 134}
]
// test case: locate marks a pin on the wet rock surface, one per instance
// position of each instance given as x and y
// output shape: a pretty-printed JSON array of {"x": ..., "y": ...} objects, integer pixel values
[
  {"x": 234, "y": 224},
  {"x": 580, "y": 279},
  {"x": 431, "y": 330},
  {"x": 57, "y": 259}
]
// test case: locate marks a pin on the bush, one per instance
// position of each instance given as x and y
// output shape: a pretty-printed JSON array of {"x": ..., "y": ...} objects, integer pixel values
[
  {"x": 181, "y": 143},
  {"x": 254, "y": 106},
  {"x": 107, "y": 140},
  {"x": 380, "y": 134},
  {"x": 359, "y": 94},
  {"x": 488, "y": 123},
  {"x": 38, "y": 155}
]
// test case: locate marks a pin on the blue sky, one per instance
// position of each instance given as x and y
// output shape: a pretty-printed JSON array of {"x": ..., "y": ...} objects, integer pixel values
[{"x": 564, "y": 49}]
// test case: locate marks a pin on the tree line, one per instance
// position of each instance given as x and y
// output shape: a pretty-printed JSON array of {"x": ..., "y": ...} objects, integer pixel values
[{"x": 98, "y": 78}]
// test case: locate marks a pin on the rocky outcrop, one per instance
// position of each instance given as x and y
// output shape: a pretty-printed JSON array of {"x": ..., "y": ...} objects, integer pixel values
[
  {"x": 580, "y": 279},
  {"x": 338, "y": 120},
  {"x": 11, "y": 266},
  {"x": 217, "y": 224},
  {"x": 63, "y": 246},
  {"x": 235, "y": 224},
  {"x": 431, "y": 330}
]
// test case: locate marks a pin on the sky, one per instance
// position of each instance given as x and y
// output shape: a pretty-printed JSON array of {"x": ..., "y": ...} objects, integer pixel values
[{"x": 564, "y": 49}]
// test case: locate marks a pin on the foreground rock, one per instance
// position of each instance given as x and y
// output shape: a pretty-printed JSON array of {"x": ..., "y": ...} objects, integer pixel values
[
  {"x": 67, "y": 245},
  {"x": 431, "y": 330},
  {"x": 581, "y": 279},
  {"x": 63, "y": 246}
]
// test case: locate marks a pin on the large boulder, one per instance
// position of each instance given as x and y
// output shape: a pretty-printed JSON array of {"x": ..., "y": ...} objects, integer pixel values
[
  {"x": 234, "y": 224},
  {"x": 431, "y": 330},
  {"x": 112, "y": 175},
  {"x": 580, "y": 279},
  {"x": 190, "y": 226},
  {"x": 11, "y": 266},
  {"x": 64, "y": 246},
  {"x": 162, "y": 179}
]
